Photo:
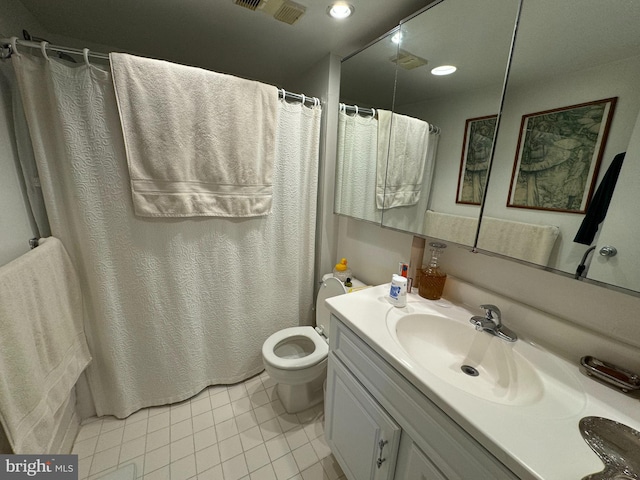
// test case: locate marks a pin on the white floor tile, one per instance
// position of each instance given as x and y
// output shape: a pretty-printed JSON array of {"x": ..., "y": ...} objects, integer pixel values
[
  {"x": 205, "y": 438},
  {"x": 158, "y": 421},
  {"x": 222, "y": 414},
  {"x": 236, "y": 432},
  {"x": 219, "y": 399},
  {"x": 257, "y": 457},
  {"x": 264, "y": 473},
  {"x": 163, "y": 473},
  {"x": 214, "y": 473},
  {"x": 135, "y": 430},
  {"x": 180, "y": 412},
  {"x": 277, "y": 447},
  {"x": 132, "y": 449},
  {"x": 85, "y": 448},
  {"x": 315, "y": 472},
  {"x": 285, "y": 467},
  {"x": 229, "y": 448},
  {"x": 184, "y": 468},
  {"x": 270, "y": 429},
  {"x": 158, "y": 439},
  {"x": 182, "y": 448},
  {"x": 109, "y": 439},
  {"x": 226, "y": 429},
  {"x": 237, "y": 391},
  {"x": 201, "y": 406},
  {"x": 305, "y": 456},
  {"x": 156, "y": 459},
  {"x": 104, "y": 460},
  {"x": 246, "y": 421},
  {"x": 251, "y": 438},
  {"x": 235, "y": 468},
  {"x": 207, "y": 458},
  {"x": 181, "y": 429},
  {"x": 89, "y": 430}
]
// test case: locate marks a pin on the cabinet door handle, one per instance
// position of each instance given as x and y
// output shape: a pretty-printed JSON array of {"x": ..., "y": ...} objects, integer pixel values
[{"x": 381, "y": 460}]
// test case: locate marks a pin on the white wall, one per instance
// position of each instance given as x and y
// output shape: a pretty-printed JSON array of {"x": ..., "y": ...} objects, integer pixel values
[
  {"x": 15, "y": 224},
  {"x": 617, "y": 79}
]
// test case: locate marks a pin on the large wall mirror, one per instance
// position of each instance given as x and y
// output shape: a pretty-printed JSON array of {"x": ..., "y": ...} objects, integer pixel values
[
  {"x": 367, "y": 83},
  {"x": 438, "y": 139},
  {"x": 460, "y": 109},
  {"x": 570, "y": 108}
]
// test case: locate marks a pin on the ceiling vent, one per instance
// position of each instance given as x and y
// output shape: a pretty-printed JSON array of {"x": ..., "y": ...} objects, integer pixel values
[
  {"x": 289, "y": 12},
  {"x": 407, "y": 60},
  {"x": 284, "y": 10},
  {"x": 250, "y": 4}
]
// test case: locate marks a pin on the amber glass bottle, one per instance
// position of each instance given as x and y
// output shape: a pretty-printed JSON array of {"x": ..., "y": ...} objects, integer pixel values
[{"x": 433, "y": 278}]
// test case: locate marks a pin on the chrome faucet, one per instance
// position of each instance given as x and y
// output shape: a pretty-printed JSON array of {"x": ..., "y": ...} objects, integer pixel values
[{"x": 492, "y": 323}]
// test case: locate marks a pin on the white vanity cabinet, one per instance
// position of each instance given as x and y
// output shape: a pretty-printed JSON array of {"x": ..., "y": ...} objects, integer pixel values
[{"x": 369, "y": 402}]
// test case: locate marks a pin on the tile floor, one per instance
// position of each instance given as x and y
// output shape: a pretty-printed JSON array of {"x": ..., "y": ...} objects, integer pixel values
[{"x": 230, "y": 432}]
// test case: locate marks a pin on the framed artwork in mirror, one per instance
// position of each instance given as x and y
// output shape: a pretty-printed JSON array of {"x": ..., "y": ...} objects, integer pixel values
[
  {"x": 476, "y": 153},
  {"x": 558, "y": 156}
]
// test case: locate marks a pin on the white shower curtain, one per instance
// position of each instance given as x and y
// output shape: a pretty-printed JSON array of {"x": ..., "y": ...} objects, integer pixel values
[{"x": 171, "y": 305}]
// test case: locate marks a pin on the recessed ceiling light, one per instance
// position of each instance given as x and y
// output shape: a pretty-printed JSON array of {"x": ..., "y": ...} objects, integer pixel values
[
  {"x": 444, "y": 70},
  {"x": 340, "y": 10},
  {"x": 396, "y": 37}
]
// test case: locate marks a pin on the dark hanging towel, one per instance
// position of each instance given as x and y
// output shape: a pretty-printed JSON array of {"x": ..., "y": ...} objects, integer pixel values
[{"x": 599, "y": 205}]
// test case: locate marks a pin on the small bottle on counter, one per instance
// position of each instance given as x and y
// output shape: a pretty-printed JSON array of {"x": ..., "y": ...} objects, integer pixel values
[
  {"x": 432, "y": 279},
  {"x": 398, "y": 291}
]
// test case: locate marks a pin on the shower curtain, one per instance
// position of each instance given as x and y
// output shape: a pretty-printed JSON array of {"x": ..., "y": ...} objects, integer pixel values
[{"x": 172, "y": 306}]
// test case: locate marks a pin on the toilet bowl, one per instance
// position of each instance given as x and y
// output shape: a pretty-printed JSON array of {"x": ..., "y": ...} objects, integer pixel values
[{"x": 296, "y": 358}]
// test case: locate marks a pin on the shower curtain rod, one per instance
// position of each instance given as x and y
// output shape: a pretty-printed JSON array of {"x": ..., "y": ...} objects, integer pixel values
[
  {"x": 9, "y": 45},
  {"x": 372, "y": 111}
]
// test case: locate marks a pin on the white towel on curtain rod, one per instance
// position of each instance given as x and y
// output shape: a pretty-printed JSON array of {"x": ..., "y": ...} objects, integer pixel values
[
  {"x": 172, "y": 305},
  {"x": 356, "y": 167},
  {"x": 205, "y": 149}
]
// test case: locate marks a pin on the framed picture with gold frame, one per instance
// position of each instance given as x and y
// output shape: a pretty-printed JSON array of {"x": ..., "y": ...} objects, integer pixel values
[
  {"x": 476, "y": 154},
  {"x": 558, "y": 157}
]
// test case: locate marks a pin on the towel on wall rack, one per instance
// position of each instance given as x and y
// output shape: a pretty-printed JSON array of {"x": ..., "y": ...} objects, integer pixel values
[
  {"x": 198, "y": 143},
  {"x": 43, "y": 348}
]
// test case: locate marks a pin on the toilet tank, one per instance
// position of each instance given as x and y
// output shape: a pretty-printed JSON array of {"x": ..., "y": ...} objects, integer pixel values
[{"x": 330, "y": 287}]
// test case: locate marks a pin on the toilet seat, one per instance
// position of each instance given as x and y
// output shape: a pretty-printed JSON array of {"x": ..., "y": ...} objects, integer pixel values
[{"x": 320, "y": 352}]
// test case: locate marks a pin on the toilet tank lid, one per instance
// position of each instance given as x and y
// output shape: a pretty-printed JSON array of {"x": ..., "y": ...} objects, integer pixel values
[{"x": 330, "y": 287}]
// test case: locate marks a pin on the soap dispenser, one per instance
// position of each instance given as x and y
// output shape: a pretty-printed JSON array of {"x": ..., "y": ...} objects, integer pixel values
[
  {"x": 341, "y": 271},
  {"x": 433, "y": 278}
]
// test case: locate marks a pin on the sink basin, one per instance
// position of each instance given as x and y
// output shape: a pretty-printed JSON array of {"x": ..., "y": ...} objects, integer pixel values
[{"x": 476, "y": 362}]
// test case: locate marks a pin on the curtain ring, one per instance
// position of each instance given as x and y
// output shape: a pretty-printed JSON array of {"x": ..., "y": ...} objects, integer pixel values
[
  {"x": 356, "y": 107},
  {"x": 85, "y": 54},
  {"x": 316, "y": 102},
  {"x": 43, "y": 49},
  {"x": 304, "y": 99},
  {"x": 374, "y": 112},
  {"x": 14, "y": 45},
  {"x": 284, "y": 94}
]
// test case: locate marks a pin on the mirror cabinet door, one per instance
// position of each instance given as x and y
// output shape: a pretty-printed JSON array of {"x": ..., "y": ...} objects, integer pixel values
[
  {"x": 367, "y": 82},
  {"x": 570, "y": 108},
  {"x": 443, "y": 125}
]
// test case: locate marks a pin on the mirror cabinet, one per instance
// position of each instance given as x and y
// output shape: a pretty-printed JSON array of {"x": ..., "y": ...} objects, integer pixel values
[{"x": 529, "y": 130}]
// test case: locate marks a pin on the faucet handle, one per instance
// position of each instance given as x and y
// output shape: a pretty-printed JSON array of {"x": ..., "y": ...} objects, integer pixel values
[{"x": 491, "y": 310}]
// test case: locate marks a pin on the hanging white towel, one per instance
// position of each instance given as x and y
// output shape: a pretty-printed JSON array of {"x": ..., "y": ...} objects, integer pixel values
[
  {"x": 198, "y": 143},
  {"x": 356, "y": 167},
  {"x": 43, "y": 348},
  {"x": 402, "y": 149}
]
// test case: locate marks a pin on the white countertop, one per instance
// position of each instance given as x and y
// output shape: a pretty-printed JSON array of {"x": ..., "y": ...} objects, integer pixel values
[{"x": 534, "y": 441}]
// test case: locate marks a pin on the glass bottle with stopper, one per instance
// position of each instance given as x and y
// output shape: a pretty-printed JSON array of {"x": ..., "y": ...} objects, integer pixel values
[{"x": 433, "y": 278}]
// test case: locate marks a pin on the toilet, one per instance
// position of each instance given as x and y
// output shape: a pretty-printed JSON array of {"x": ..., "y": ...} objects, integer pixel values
[{"x": 296, "y": 358}]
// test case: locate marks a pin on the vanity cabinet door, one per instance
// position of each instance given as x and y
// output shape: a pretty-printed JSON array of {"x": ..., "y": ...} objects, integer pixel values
[
  {"x": 413, "y": 464},
  {"x": 362, "y": 436}
]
